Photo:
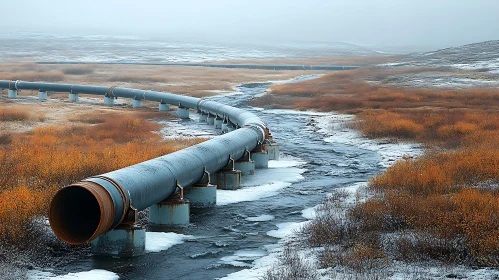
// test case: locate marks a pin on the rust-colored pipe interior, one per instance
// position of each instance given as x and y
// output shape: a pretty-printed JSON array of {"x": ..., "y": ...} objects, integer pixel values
[{"x": 81, "y": 212}]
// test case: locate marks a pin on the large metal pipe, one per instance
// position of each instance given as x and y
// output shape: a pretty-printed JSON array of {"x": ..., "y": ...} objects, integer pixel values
[{"x": 84, "y": 210}]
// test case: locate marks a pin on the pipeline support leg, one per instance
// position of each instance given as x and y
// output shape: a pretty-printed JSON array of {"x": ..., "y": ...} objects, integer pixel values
[
  {"x": 201, "y": 196},
  {"x": 108, "y": 100},
  {"x": 218, "y": 123},
  {"x": 73, "y": 97},
  {"x": 163, "y": 107},
  {"x": 210, "y": 120},
  {"x": 182, "y": 112},
  {"x": 137, "y": 103},
  {"x": 202, "y": 118},
  {"x": 245, "y": 164},
  {"x": 273, "y": 151},
  {"x": 260, "y": 156},
  {"x": 172, "y": 211},
  {"x": 12, "y": 93},
  {"x": 228, "y": 179},
  {"x": 42, "y": 95},
  {"x": 124, "y": 240}
]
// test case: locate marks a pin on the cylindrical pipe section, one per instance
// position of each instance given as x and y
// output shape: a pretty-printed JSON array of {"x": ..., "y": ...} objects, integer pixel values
[{"x": 81, "y": 212}]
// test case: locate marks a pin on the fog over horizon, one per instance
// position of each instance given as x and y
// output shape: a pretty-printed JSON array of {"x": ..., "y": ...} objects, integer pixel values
[{"x": 421, "y": 25}]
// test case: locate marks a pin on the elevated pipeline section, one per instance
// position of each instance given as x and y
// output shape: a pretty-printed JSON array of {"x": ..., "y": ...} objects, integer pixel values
[{"x": 84, "y": 210}]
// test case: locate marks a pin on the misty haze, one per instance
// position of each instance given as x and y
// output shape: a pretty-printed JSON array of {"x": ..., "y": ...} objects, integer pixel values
[{"x": 249, "y": 139}]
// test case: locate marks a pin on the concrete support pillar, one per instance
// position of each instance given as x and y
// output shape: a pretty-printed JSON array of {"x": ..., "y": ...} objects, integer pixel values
[
  {"x": 202, "y": 194},
  {"x": 137, "y": 103},
  {"x": 230, "y": 127},
  {"x": 245, "y": 164},
  {"x": 228, "y": 178},
  {"x": 210, "y": 119},
  {"x": 225, "y": 128},
  {"x": 124, "y": 240},
  {"x": 202, "y": 117},
  {"x": 12, "y": 93},
  {"x": 173, "y": 211},
  {"x": 73, "y": 97},
  {"x": 260, "y": 156},
  {"x": 108, "y": 100},
  {"x": 182, "y": 112},
  {"x": 218, "y": 122},
  {"x": 163, "y": 107},
  {"x": 42, "y": 95},
  {"x": 273, "y": 151}
]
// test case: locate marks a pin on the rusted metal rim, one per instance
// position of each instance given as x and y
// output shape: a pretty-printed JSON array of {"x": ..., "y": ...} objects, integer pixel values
[
  {"x": 124, "y": 198},
  {"x": 80, "y": 212}
]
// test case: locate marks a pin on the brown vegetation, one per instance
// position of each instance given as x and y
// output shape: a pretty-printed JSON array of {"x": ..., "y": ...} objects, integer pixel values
[
  {"x": 34, "y": 165},
  {"x": 441, "y": 206}
]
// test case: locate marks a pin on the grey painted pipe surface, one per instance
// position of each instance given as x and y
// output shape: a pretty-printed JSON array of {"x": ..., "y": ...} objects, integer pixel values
[{"x": 143, "y": 184}]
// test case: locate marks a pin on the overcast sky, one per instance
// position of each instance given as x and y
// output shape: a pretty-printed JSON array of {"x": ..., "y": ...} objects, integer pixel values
[{"x": 429, "y": 23}]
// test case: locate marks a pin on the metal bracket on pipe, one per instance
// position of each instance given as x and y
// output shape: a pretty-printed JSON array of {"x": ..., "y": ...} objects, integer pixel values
[
  {"x": 131, "y": 216},
  {"x": 110, "y": 93},
  {"x": 230, "y": 164},
  {"x": 181, "y": 190}
]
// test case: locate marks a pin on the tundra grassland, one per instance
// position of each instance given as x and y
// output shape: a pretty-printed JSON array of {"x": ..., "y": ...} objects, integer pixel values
[{"x": 442, "y": 206}]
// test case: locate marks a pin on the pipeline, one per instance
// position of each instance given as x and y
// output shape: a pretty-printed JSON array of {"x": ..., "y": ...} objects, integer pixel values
[{"x": 84, "y": 210}]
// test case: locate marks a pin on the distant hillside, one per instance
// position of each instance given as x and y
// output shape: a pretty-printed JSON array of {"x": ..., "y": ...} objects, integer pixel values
[{"x": 483, "y": 57}]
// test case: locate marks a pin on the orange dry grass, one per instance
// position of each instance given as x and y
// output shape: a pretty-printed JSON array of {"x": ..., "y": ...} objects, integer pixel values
[
  {"x": 349, "y": 91},
  {"x": 449, "y": 128},
  {"x": 8, "y": 114},
  {"x": 452, "y": 195},
  {"x": 34, "y": 165}
]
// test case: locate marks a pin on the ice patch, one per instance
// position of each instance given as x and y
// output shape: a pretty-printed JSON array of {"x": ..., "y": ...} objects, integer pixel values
[
  {"x": 283, "y": 163},
  {"x": 94, "y": 274},
  {"x": 309, "y": 213},
  {"x": 176, "y": 130},
  {"x": 225, "y": 197},
  {"x": 265, "y": 183},
  {"x": 243, "y": 258},
  {"x": 333, "y": 127},
  {"x": 258, "y": 269},
  {"x": 261, "y": 218},
  {"x": 286, "y": 229},
  {"x": 160, "y": 241}
]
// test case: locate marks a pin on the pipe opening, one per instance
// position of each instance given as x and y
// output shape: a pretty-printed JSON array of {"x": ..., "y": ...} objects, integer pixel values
[{"x": 80, "y": 213}]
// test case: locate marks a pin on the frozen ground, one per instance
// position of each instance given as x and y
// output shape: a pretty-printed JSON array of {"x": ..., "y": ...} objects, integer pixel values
[{"x": 479, "y": 63}]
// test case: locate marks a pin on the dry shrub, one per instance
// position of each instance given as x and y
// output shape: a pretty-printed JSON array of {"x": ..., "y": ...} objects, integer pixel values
[
  {"x": 349, "y": 91},
  {"x": 79, "y": 70},
  {"x": 29, "y": 76},
  {"x": 362, "y": 257},
  {"x": 291, "y": 266},
  {"x": 133, "y": 78},
  {"x": 447, "y": 128},
  {"x": 450, "y": 196},
  {"x": 34, "y": 165},
  {"x": 9, "y": 114}
]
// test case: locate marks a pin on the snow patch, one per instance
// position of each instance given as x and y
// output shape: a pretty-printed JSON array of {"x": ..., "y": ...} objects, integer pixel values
[
  {"x": 160, "y": 241},
  {"x": 286, "y": 229},
  {"x": 268, "y": 182},
  {"x": 261, "y": 218},
  {"x": 94, "y": 274},
  {"x": 333, "y": 126}
]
